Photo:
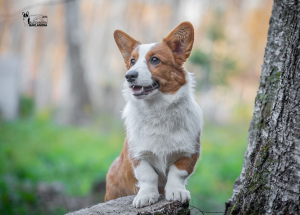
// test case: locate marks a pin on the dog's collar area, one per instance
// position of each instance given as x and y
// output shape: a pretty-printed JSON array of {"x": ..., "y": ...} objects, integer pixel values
[{"x": 139, "y": 90}]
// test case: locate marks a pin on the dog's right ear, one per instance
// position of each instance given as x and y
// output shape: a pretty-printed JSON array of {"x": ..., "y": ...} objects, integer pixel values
[
  {"x": 125, "y": 43},
  {"x": 27, "y": 13},
  {"x": 180, "y": 41}
]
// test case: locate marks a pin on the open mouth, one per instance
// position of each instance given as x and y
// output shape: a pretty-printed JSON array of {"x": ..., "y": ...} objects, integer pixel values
[{"x": 144, "y": 90}]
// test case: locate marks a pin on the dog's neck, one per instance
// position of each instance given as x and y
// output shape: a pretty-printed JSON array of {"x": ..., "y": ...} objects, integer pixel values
[{"x": 162, "y": 127}]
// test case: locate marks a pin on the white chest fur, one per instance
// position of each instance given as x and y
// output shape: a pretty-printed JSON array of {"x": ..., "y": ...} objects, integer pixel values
[{"x": 165, "y": 128}]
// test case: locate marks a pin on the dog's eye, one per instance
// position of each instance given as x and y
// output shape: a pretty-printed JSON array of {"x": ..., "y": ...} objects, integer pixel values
[
  {"x": 154, "y": 60},
  {"x": 132, "y": 61}
]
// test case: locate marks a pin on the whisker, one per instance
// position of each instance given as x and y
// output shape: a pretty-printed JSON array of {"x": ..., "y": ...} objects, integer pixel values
[
  {"x": 152, "y": 87},
  {"x": 157, "y": 77}
]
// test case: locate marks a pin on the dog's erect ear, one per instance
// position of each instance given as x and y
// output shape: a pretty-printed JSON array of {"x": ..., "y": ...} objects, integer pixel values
[
  {"x": 126, "y": 44},
  {"x": 23, "y": 13},
  {"x": 180, "y": 41},
  {"x": 27, "y": 13}
]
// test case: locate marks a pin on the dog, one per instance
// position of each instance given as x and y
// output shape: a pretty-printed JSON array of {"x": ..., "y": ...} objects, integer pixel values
[
  {"x": 162, "y": 119},
  {"x": 26, "y": 18}
]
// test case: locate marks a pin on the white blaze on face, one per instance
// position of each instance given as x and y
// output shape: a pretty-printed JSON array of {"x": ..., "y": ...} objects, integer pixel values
[{"x": 144, "y": 75}]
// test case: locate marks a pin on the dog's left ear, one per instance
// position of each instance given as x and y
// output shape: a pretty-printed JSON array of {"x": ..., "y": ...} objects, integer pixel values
[
  {"x": 180, "y": 41},
  {"x": 125, "y": 43}
]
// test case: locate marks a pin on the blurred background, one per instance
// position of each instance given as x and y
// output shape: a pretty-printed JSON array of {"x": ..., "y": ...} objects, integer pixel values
[{"x": 61, "y": 101}]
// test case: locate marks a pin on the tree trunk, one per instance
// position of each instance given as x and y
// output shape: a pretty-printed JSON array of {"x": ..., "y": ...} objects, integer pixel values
[
  {"x": 123, "y": 206},
  {"x": 80, "y": 106},
  {"x": 270, "y": 178}
]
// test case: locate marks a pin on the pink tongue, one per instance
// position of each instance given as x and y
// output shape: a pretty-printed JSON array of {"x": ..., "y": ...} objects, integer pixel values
[{"x": 136, "y": 89}]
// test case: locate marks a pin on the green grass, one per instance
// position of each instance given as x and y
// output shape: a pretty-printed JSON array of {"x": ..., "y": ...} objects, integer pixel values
[
  {"x": 39, "y": 150},
  {"x": 36, "y": 150},
  {"x": 223, "y": 148}
]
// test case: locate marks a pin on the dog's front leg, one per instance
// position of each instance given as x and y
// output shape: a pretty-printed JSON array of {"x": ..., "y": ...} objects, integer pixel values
[
  {"x": 177, "y": 175},
  {"x": 148, "y": 184}
]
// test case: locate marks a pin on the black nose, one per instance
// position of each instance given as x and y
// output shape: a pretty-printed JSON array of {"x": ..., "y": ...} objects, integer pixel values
[{"x": 131, "y": 76}]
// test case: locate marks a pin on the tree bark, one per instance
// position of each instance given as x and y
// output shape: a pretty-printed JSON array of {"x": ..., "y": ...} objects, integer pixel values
[
  {"x": 80, "y": 104},
  {"x": 270, "y": 178},
  {"x": 123, "y": 206}
]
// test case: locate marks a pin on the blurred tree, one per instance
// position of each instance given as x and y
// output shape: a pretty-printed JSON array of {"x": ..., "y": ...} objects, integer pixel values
[
  {"x": 216, "y": 63},
  {"x": 269, "y": 182},
  {"x": 80, "y": 104}
]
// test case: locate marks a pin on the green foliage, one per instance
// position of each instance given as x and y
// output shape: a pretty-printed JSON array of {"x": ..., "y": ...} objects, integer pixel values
[
  {"x": 217, "y": 64},
  {"x": 223, "y": 148},
  {"x": 215, "y": 70},
  {"x": 43, "y": 151},
  {"x": 200, "y": 58},
  {"x": 26, "y": 106},
  {"x": 17, "y": 198},
  {"x": 38, "y": 150},
  {"x": 216, "y": 30}
]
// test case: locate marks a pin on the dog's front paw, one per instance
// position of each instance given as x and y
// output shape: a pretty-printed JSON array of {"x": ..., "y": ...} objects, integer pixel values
[
  {"x": 145, "y": 198},
  {"x": 178, "y": 194}
]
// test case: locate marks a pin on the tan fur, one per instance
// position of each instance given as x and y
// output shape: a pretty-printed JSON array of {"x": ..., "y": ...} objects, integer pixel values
[
  {"x": 120, "y": 180},
  {"x": 172, "y": 52},
  {"x": 125, "y": 43},
  {"x": 180, "y": 41},
  {"x": 168, "y": 73},
  {"x": 134, "y": 55},
  {"x": 189, "y": 163}
]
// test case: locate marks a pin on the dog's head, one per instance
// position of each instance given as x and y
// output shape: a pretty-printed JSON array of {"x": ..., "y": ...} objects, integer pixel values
[
  {"x": 157, "y": 66},
  {"x": 25, "y": 17}
]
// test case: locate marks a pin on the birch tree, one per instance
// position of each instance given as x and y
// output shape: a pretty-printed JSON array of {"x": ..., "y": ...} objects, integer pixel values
[
  {"x": 80, "y": 101},
  {"x": 270, "y": 178}
]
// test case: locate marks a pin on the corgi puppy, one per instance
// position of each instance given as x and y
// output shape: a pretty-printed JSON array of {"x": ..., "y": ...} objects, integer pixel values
[{"x": 162, "y": 119}]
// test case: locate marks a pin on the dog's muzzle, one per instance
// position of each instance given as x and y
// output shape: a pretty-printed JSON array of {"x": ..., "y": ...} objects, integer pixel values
[{"x": 144, "y": 90}]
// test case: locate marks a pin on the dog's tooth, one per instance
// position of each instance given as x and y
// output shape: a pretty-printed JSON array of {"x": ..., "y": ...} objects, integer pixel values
[{"x": 142, "y": 89}]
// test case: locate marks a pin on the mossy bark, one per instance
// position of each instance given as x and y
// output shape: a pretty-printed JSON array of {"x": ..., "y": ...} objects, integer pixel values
[{"x": 270, "y": 178}]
